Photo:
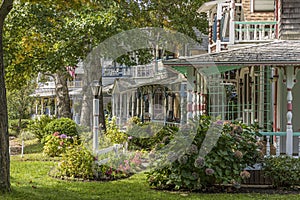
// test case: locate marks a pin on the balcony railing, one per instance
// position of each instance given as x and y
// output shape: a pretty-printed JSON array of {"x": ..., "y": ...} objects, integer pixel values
[
  {"x": 276, "y": 136},
  {"x": 255, "y": 31}
]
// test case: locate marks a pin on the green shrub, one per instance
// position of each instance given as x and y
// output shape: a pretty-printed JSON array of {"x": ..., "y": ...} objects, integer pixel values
[
  {"x": 158, "y": 136},
  {"x": 113, "y": 132},
  {"x": 234, "y": 150},
  {"x": 284, "y": 171},
  {"x": 77, "y": 162},
  {"x": 37, "y": 126},
  {"x": 14, "y": 128},
  {"x": 56, "y": 144},
  {"x": 64, "y": 126}
]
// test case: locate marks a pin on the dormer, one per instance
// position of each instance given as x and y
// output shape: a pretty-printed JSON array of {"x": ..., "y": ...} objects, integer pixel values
[{"x": 236, "y": 23}]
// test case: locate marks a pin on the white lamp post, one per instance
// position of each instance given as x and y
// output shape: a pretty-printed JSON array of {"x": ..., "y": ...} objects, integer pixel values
[{"x": 96, "y": 89}]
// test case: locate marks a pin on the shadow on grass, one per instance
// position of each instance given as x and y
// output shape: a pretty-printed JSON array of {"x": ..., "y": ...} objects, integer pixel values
[{"x": 33, "y": 148}]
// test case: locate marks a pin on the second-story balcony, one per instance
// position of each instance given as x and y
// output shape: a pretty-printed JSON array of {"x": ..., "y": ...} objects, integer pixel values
[{"x": 254, "y": 31}]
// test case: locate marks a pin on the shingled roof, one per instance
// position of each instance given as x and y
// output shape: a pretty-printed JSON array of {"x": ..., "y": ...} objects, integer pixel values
[{"x": 279, "y": 53}]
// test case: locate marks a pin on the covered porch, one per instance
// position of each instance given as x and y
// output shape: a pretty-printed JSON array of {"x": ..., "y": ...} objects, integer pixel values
[{"x": 256, "y": 84}]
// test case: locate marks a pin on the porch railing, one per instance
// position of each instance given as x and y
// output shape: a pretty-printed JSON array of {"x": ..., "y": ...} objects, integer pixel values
[
  {"x": 255, "y": 31},
  {"x": 277, "y": 136}
]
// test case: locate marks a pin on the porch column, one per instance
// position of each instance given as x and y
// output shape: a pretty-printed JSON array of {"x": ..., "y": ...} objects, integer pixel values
[
  {"x": 190, "y": 104},
  {"x": 194, "y": 104},
  {"x": 42, "y": 106},
  {"x": 219, "y": 17},
  {"x": 120, "y": 109},
  {"x": 231, "y": 22},
  {"x": 290, "y": 82},
  {"x": 128, "y": 110},
  {"x": 132, "y": 103},
  {"x": 151, "y": 104},
  {"x": 183, "y": 104},
  {"x": 198, "y": 104}
]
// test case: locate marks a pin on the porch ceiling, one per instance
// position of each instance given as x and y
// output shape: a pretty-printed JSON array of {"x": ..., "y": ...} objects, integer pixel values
[{"x": 278, "y": 53}]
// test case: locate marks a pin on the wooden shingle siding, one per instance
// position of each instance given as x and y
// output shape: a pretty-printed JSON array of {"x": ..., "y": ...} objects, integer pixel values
[{"x": 290, "y": 20}]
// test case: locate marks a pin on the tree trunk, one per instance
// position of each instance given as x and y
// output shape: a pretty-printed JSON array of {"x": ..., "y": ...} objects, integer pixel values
[
  {"x": 92, "y": 71},
  {"x": 86, "y": 108},
  {"x": 5, "y": 8},
  {"x": 62, "y": 95}
]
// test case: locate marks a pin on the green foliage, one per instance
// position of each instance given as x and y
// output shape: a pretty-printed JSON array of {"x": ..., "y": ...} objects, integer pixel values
[
  {"x": 159, "y": 136},
  {"x": 113, "y": 132},
  {"x": 77, "y": 162},
  {"x": 284, "y": 171},
  {"x": 122, "y": 166},
  {"x": 56, "y": 144},
  {"x": 14, "y": 128},
  {"x": 63, "y": 126},
  {"x": 37, "y": 126},
  {"x": 235, "y": 149}
]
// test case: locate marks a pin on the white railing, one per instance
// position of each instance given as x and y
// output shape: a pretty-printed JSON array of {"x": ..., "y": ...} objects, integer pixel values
[
  {"x": 255, "y": 31},
  {"x": 277, "y": 136},
  {"x": 115, "y": 148},
  {"x": 75, "y": 84}
]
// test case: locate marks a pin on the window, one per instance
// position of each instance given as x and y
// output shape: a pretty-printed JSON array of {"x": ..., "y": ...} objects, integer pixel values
[{"x": 263, "y": 5}]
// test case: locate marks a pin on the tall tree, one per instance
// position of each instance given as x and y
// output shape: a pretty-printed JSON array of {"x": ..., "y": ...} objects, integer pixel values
[{"x": 5, "y": 7}]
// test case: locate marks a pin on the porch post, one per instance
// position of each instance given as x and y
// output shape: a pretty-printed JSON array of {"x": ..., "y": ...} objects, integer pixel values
[
  {"x": 231, "y": 23},
  {"x": 219, "y": 17},
  {"x": 290, "y": 76},
  {"x": 194, "y": 104},
  {"x": 183, "y": 103},
  {"x": 132, "y": 103},
  {"x": 190, "y": 104}
]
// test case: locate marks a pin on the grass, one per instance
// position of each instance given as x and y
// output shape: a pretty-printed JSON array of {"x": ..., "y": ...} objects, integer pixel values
[{"x": 30, "y": 180}]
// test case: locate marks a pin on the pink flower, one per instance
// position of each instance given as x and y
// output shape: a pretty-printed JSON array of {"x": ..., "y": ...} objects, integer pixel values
[
  {"x": 209, "y": 171},
  {"x": 56, "y": 134}
]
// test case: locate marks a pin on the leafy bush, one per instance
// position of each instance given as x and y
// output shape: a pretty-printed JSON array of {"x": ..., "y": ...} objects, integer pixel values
[
  {"x": 37, "y": 126},
  {"x": 77, "y": 162},
  {"x": 14, "y": 128},
  {"x": 113, "y": 132},
  {"x": 234, "y": 150},
  {"x": 157, "y": 136},
  {"x": 284, "y": 171},
  {"x": 56, "y": 144},
  {"x": 122, "y": 166},
  {"x": 64, "y": 126}
]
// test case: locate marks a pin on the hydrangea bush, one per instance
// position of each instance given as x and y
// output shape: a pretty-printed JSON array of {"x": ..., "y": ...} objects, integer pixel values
[
  {"x": 235, "y": 149},
  {"x": 56, "y": 144}
]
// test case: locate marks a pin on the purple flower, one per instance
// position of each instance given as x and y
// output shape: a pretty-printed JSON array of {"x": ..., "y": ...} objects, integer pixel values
[
  {"x": 209, "y": 171},
  {"x": 130, "y": 137},
  {"x": 199, "y": 162},
  {"x": 195, "y": 175},
  {"x": 63, "y": 136},
  {"x": 192, "y": 150},
  {"x": 183, "y": 159}
]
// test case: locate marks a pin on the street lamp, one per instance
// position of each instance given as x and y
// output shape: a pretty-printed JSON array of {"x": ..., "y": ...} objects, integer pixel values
[{"x": 96, "y": 90}]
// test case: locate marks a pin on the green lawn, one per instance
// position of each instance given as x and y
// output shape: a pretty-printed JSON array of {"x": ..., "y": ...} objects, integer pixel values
[{"x": 30, "y": 180}]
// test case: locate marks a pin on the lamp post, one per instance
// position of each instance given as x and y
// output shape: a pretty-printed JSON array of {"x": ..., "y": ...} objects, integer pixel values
[{"x": 96, "y": 89}]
